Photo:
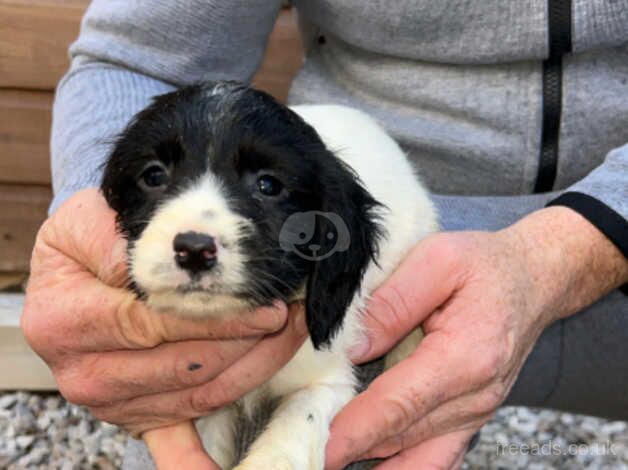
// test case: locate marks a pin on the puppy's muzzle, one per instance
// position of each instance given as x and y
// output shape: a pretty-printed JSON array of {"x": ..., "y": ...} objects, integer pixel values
[{"x": 195, "y": 252}]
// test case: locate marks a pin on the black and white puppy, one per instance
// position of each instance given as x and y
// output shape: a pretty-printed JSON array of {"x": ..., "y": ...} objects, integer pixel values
[{"x": 231, "y": 200}]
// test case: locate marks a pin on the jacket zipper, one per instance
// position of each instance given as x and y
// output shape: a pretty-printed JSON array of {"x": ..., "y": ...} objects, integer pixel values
[{"x": 559, "y": 35}]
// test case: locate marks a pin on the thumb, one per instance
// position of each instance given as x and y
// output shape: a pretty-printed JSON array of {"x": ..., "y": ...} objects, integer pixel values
[
  {"x": 83, "y": 232},
  {"x": 178, "y": 446},
  {"x": 446, "y": 451},
  {"x": 423, "y": 282}
]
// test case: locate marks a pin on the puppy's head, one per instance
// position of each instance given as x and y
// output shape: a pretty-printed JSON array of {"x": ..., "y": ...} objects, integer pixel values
[{"x": 230, "y": 200}]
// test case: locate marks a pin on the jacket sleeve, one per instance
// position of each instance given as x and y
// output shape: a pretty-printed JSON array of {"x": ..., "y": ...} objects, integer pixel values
[
  {"x": 129, "y": 51},
  {"x": 602, "y": 198}
]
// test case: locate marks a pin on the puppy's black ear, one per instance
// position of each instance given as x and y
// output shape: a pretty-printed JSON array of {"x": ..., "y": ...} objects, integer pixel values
[{"x": 348, "y": 233}]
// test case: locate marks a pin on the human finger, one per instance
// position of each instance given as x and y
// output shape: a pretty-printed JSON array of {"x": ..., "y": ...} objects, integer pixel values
[
  {"x": 94, "y": 378},
  {"x": 433, "y": 375},
  {"x": 246, "y": 374},
  {"x": 178, "y": 446},
  {"x": 94, "y": 317},
  {"x": 446, "y": 419},
  {"x": 426, "y": 278},
  {"x": 441, "y": 452}
]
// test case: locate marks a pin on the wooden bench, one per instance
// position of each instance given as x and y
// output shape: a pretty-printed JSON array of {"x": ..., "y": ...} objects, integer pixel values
[{"x": 34, "y": 38}]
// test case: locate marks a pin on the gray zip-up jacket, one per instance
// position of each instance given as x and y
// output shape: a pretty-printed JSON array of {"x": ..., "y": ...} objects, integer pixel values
[{"x": 471, "y": 89}]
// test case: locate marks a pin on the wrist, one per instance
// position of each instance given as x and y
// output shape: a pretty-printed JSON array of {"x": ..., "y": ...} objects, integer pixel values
[{"x": 570, "y": 262}]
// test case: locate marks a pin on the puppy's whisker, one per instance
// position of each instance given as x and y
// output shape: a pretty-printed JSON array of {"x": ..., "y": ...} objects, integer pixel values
[
  {"x": 263, "y": 277},
  {"x": 282, "y": 260},
  {"x": 261, "y": 281},
  {"x": 268, "y": 289},
  {"x": 270, "y": 277}
]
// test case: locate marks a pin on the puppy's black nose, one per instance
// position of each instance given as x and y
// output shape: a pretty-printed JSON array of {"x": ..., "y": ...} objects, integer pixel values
[{"x": 194, "y": 252}]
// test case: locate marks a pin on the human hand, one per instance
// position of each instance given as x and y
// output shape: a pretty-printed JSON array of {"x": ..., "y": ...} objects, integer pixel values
[
  {"x": 128, "y": 365},
  {"x": 483, "y": 299}
]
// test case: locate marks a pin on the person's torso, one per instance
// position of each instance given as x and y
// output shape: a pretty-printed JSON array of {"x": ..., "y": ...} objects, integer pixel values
[{"x": 459, "y": 83}]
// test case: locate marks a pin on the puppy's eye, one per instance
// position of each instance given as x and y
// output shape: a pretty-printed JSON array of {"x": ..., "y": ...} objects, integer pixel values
[
  {"x": 269, "y": 185},
  {"x": 154, "y": 177}
]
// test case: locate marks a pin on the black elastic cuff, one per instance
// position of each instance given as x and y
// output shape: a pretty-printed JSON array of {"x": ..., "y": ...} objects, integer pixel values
[{"x": 609, "y": 222}]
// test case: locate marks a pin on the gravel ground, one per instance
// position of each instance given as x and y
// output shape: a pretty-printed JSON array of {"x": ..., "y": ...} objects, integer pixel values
[
  {"x": 42, "y": 431},
  {"x": 543, "y": 439}
]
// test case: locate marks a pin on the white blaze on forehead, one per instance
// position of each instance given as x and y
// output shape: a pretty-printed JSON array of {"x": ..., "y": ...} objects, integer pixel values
[{"x": 201, "y": 208}]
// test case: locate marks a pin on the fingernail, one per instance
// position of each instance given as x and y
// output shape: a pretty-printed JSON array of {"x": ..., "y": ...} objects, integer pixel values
[
  {"x": 279, "y": 305},
  {"x": 300, "y": 324},
  {"x": 274, "y": 316},
  {"x": 361, "y": 349},
  {"x": 474, "y": 441}
]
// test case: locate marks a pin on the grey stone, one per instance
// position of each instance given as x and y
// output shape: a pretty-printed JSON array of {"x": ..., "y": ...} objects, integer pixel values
[
  {"x": 24, "y": 441},
  {"x": 23, "y": 419},
  {"x": 34, "y": 457},
  {"x": 7, "y": 400}
]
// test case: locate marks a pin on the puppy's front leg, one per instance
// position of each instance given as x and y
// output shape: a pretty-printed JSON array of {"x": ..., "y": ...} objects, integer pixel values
[
  {"x": 297, "y": 434},
  {"x": 217, "y": 432}
]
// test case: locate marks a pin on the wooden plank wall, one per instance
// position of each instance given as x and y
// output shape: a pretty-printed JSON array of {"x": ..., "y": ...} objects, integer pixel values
[{"x": 34, "y": 37}]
